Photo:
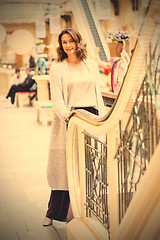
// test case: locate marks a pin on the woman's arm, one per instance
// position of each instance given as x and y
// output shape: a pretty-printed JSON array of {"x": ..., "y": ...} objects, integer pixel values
[
  {"x": 57, "y": 93},
  {"x": 100, "y": 102}
]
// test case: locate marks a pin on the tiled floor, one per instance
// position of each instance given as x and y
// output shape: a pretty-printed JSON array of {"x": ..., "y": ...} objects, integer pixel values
[{"x": 24, "y": 192}]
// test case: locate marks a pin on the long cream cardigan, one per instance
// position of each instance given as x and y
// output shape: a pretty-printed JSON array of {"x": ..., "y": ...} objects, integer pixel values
[{"x": 57, "y": 168}]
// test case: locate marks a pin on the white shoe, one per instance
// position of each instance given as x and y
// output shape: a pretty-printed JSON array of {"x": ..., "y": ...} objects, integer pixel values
[{"x": 47, "y": 222}]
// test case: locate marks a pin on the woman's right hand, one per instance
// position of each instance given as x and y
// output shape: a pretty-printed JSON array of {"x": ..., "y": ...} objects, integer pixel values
[{"x": 68, "y": 116}]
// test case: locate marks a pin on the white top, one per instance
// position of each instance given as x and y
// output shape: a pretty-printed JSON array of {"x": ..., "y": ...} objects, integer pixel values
[
  {"x": 16, "y": 80},
  {"x": 81, "y": 87}
]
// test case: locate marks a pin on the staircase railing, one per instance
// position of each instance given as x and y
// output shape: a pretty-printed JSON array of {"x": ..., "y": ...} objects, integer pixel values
[
  {"x": 107, "y": 162},
  {"x": 140, "y": 136}
]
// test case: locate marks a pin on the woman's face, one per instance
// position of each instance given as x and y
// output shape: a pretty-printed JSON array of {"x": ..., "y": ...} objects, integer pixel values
[{"x": 68, "y": 44}]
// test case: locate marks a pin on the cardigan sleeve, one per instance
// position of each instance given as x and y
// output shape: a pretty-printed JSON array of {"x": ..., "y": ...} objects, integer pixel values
[
  {"x": 100, "y": 102},
  {"x": 57, "y": 91}
]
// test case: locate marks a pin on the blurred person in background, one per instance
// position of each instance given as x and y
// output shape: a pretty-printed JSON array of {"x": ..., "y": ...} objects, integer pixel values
[
  {"x": 25, "y": 86},
  {"x": 18, "y": 77},
  {"x": 32, "y": 63}
]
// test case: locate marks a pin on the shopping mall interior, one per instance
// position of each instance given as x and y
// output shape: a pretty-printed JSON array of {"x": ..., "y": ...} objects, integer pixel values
[{"x": 112, "y": 161}]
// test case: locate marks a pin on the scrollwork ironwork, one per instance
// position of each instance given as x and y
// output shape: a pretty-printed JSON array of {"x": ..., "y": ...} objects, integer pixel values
[
  {"x": 96, "y": 179},
  {"x": 140, "y": 137}
]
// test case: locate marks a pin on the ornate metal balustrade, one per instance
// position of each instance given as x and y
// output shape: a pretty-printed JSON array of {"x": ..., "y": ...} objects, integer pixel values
[
  {"x": 141, "y": 135},
  {"x": 96, "y": 180},
  {"x": 137, "y": 143}
]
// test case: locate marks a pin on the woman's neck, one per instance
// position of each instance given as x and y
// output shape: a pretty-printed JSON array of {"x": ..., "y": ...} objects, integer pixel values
[{"x": 73, "y": 60}]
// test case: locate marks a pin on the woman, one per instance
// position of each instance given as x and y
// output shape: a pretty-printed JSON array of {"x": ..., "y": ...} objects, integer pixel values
[{"x": 74, "y": 84}]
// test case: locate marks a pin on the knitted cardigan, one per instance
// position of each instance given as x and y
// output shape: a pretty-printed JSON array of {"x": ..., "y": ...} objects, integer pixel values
[{"x": 57, "y": 166}]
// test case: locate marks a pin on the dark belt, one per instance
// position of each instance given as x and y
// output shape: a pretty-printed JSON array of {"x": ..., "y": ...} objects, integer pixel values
[{"x": 89, "y": 109}]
